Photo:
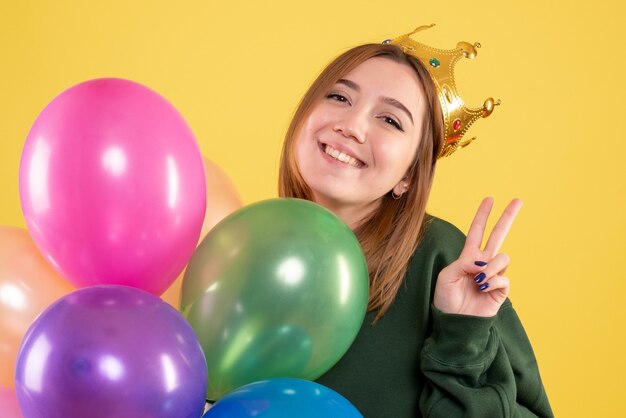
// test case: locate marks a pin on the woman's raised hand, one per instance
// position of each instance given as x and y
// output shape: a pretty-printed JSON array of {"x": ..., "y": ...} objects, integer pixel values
[{"x": 475, "y": 283}]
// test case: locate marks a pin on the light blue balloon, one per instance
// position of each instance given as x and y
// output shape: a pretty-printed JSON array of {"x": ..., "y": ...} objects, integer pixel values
[{"x": 283, "y": 398}]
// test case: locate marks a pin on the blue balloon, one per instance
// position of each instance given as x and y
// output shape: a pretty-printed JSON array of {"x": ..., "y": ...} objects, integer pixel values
[{"x": 283, "y": 398}]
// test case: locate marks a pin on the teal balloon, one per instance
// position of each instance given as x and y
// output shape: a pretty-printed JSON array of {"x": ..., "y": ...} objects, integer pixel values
[{"x": 277, "y": 289}]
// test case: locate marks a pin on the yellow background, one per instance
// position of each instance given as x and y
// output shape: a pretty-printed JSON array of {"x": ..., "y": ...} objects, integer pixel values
[{"x": 236, "y": 69}]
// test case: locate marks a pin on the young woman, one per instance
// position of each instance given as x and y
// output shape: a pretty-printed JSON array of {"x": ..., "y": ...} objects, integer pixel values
[{"x": 440, "y": 339}]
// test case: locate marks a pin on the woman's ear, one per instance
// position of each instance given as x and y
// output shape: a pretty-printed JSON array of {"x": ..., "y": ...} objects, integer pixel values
[{"x": 400, "y": 188}]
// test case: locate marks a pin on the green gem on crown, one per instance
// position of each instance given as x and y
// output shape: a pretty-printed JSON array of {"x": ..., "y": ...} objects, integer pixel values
[{"x": 434, "y": 62}]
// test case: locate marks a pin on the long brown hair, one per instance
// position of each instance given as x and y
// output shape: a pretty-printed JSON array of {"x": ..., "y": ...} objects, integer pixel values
[{"x": 389, "y": 235}]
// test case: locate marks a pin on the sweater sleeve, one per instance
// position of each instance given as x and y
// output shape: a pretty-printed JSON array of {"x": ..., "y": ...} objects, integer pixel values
[{"x": 481, "y": 367}]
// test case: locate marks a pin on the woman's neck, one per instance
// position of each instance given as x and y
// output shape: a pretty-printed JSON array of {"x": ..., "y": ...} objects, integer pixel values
[{"x": 351, "y": 213}]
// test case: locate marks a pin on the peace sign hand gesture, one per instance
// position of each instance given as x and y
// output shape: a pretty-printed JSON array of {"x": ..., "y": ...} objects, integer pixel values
[{"x": 475, "y": 283}]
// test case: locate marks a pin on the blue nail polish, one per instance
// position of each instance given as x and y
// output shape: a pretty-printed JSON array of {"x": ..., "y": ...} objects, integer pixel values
[
  {"x": 483, "y": 286},
  {"x": 480, "y": 263},
  {"x": 480, "y": 277}
]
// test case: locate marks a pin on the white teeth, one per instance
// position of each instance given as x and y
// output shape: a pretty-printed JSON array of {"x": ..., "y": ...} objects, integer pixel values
[{"x": 340, "y": 156}]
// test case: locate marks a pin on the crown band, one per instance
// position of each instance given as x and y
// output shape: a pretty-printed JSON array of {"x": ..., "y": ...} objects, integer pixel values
[{"x": 457, "y": 118}]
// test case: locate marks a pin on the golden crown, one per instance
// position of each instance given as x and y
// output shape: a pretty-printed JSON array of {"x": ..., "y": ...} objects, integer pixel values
[{"x": 457, "y": 117}]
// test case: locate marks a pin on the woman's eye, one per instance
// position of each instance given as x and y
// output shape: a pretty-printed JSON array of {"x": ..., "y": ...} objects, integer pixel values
[
  {"x": 391, "y": 121},
  {"x": 338, "y": 97}
]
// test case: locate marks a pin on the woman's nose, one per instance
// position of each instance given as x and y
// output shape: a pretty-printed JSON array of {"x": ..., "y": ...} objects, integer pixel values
[{"x": 351, "y": 125}]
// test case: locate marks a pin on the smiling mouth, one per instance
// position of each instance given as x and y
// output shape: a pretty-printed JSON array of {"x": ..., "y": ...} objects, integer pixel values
[{"x": 342, "y": 157}]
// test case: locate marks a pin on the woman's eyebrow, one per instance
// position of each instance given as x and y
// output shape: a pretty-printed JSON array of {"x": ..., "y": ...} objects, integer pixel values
[
  {"x": 389, "y": 100},
  {"x": 350, "y": 84},
  {"x": 393, "y": 102}
]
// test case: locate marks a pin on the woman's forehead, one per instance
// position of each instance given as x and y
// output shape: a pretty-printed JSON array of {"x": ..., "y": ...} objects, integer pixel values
[{"x": 384, "y": 77}]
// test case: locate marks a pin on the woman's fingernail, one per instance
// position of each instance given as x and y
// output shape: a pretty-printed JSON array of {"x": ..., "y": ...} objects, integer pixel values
[
  {"x": 480, "y": 263},
  {"x": 480, "y": 277},
  {"x": 483, "y": 286}
]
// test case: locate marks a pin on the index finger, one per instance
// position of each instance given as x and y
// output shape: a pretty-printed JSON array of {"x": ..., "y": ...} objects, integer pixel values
[
  {"x": 477, "y": 229},
  {"x": 501, "y": 229}
]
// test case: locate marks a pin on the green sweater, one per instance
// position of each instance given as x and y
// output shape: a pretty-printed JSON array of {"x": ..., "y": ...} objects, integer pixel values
[{"x": 417, "y": 361}]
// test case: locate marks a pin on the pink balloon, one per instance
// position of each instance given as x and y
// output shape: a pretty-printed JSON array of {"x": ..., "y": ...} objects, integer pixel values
[
  {"x": 112, "y": 186},
  {"x": 8, "y": 403}
]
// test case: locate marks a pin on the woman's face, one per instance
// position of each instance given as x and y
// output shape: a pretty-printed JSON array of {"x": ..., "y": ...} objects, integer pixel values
[{"x": 361, "y": 137}]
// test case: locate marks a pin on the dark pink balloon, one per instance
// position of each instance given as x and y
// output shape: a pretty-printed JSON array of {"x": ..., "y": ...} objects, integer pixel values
[
  {"x": 110, "y": 351},
  {"x": 112, "y": 186}
]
